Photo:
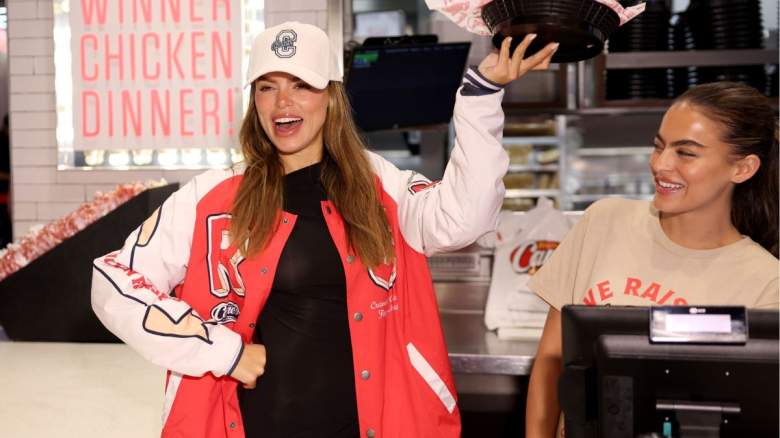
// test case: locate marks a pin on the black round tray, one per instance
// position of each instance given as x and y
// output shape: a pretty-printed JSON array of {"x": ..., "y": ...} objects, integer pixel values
[{"x": 580, "y": 26}]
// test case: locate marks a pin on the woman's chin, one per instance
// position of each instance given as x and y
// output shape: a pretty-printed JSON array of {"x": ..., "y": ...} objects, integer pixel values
[{"x": 664, "y": 205}]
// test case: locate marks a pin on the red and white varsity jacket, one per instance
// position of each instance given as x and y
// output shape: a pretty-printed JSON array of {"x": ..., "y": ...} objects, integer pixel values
[{"x": 199, "y": 334}]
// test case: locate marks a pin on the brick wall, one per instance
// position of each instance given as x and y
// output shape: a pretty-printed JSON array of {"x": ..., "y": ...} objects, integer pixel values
[{"x": 41, "y": 193}]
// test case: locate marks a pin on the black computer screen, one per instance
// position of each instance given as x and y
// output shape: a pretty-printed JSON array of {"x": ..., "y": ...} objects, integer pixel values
[
  {"x": 405, "y": 86},
  {"x": 616, "y": 383}
]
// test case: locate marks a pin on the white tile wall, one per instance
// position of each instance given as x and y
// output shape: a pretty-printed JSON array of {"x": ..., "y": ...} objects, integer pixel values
[
  {"x": 22, "y": 65},
  {"x": 33, "y": 102},
  {"x": 26, "y": 210},
  {"x": 22, "y": 158},
  {"x": 35, "y": 29},
  {"x": 27, "y": 46},
  {"x": 31, "y": 83},
  {"x": 37, "y": 175},
  {"x": 44, "y": 65},
  {"x": 49, "y": 193},
  {"x": 24, "y": 10},
  {"x": 40, "y": 192},
  {"x": 33, "y": 119},
  {"x": 26, "y": 138}
]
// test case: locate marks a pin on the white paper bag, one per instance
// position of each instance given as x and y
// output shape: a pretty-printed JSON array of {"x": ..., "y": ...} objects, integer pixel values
[{"x": 522, "y": 244}]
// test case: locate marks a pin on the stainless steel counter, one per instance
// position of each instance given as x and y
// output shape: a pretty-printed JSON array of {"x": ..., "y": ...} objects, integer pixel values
[{"x": 474, "y": 349}]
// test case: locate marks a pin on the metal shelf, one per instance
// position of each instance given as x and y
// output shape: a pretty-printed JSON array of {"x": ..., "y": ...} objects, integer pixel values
[
  {"x": 533, "y": 167},
  {"x": 542, "y": 144},
  {"x": 517, "y": 141},
  {"x": 590, "y": 197},
  {"x": 685, "y": 58},
  {"x": 621, "y": 108},
  {"x": 614, "y": 151},
  {"x": 532, "y": 193}
]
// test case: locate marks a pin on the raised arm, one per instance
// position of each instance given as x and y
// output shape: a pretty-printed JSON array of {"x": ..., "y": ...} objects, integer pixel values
[{"x": 449, "y": 214}]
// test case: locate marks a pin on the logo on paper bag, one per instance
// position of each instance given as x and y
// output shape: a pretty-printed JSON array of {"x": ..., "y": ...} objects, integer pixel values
[{"x": 529, "y": 257}]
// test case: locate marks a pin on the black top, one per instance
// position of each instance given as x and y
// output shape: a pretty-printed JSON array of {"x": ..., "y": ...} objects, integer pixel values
[{"x": 308, "y": 389}]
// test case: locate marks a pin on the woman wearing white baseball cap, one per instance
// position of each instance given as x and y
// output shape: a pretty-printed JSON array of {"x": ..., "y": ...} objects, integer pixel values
[{"x": 302, "y": 274}]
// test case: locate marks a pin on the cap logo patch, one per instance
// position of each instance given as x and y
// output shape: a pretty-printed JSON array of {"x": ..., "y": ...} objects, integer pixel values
[{"x": 284, "y": 46}]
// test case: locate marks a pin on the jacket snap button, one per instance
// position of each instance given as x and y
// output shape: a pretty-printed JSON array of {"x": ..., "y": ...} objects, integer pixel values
[
  {"x": 370, "y": 433},
  {"x": 232, "y": 425},
  {"x": 365, "y": 374},
  {"x": 358, "y": 316},
  {"x": 285, "y": 220},
  {"x": 350, "y": 258},
  {"x": 263, "y": 271},
  {"x": 251, "y": 325}
]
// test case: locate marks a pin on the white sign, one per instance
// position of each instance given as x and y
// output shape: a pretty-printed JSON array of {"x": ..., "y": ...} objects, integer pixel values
[{"x": 156, "y": 73}]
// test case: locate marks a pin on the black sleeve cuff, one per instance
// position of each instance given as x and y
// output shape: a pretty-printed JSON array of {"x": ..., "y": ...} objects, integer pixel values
[
  {"x": 238, "y": 358},
  {"x": 475, "y": 84}
]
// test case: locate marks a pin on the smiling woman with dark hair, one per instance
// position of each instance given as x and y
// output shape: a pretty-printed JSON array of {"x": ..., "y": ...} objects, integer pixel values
[{"x": 709, "y": 237}]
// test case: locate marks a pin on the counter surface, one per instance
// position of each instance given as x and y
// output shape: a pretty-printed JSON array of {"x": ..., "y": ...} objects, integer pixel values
[
  {"x": 84, "y": 390},
  {"x": 475, "y": 350},
  {"x": 69, "y": 390}
]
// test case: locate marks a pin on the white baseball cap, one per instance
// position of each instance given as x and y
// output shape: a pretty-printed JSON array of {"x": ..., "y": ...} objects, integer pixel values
[{"x": 299, "y": 49}]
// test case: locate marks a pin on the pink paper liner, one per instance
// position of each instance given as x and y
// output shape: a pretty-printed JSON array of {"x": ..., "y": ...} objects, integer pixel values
[{"x": 468, "y": 13}]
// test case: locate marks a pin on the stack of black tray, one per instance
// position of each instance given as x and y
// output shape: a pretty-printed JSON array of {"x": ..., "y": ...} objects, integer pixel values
[
  {"x": 647, "y": 32},
  {"x": 728, "y": 24}
]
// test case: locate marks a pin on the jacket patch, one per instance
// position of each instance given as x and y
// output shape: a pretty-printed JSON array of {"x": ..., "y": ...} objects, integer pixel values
[
  {"x": 158, "y": 322},
  {"x": 284, "y": 45},
  {"x": 419, "y": 183},
  {"x": 385, "y": 307},
  {"x": 226, "y": 312},
  {"x": 223, "y": 258},
  {"x": 383, "y": 276}
]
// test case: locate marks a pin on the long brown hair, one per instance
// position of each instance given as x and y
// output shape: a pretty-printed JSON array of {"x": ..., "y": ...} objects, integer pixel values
[
  {"x": 750, "y": 127},
  {"x": 347, "y": 177}
]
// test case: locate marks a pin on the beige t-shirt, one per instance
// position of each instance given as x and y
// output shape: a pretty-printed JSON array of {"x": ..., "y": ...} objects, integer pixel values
[{"x": 617, "y": 254}]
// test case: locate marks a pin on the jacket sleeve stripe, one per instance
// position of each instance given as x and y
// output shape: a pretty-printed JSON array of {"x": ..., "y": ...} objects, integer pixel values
[
  {"x": 235, "y": 361},
  {"x": 117, "y": 288},
  {"x": 431, "y": 377},
  {"x": 475, "y": 84},
  {"x": 175, "y": 322},
  {"x": 474, "y": 72},
  {"x": 135, "y": 245},
  {"x": 159, "y": 214}
]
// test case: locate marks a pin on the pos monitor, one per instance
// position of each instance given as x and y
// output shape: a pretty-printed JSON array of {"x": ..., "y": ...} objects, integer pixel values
[
  {"x": 669, "y": 372},
  {"x": 401, "y": 86}
]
